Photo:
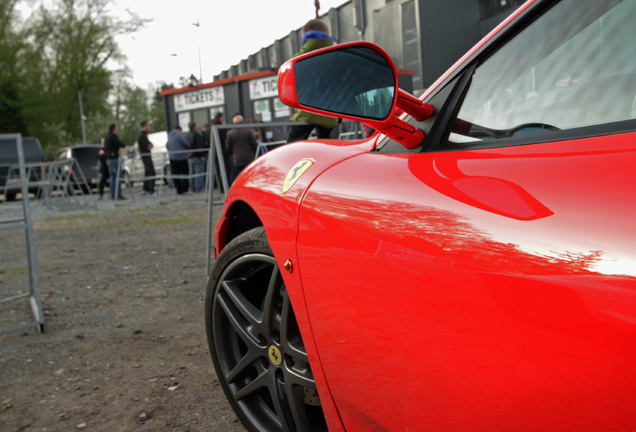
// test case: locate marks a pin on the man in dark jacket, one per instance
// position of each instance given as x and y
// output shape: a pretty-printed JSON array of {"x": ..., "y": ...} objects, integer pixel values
[
  {"x": 177, "y": 145},
  {"x": 103, "y": 171},
  {"x": 112, "y": 146},
  {"x": 149, "y": 168},
  {"x": 241, "y": 144},
  {"x": 196, "y": 159}
]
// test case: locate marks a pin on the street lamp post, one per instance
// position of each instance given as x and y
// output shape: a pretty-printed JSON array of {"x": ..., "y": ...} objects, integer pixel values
[
  {"x": 197, "y": 25},
  {"x": 82, "y": 117}
]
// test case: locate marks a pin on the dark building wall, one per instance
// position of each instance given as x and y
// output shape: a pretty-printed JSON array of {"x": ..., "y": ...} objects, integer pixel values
[
  {"x": 286, "y": 48},
  {"x": 442, "y": 29},
  {"x": 447, "y": 30},
  {"x": 347, "y": 31},
  {"x": 232, "y": 100},
  {"x": 388, "y": 31},
  {"x": 171, "y": 115},
  {"x": 246, "y": 108},
  {"x": 405, "y": 81},
  {"x": 490, "y": 23},
  {"x": 425, "y": 37}
]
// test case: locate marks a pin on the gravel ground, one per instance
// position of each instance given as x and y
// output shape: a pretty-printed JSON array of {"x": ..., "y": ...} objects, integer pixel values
[{"x": 124, "y": 345}]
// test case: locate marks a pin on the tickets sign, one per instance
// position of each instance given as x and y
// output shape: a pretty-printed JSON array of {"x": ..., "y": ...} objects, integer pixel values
[
  {"x": 264, "y": 87},
  {"x": 199, "y": 99}
]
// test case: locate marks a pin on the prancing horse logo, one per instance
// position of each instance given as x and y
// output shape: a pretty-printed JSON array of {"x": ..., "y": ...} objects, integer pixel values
[
  {"x": 275, "y": 356},
  {"x": 294, "y": 174}
]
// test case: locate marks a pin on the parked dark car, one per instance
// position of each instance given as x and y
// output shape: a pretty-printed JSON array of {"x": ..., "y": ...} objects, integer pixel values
[
  {"x": 85, "y": 168},
  {"x": 10, "y": 183}
]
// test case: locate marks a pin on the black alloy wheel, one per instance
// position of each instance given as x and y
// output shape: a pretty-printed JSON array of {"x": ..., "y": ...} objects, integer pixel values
[{"x": 255, "y": 343}]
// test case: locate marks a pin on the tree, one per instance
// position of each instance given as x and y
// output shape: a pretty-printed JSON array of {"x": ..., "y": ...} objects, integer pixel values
[
  {"x": 157, "y": 108},
  {"x": 67, "y": 48},
  {"x": 131, "y": 108},
  {"x": 11, "y": 115},
  {"x": 71, "y": 44},
  {"x": 189, "y": 82}
]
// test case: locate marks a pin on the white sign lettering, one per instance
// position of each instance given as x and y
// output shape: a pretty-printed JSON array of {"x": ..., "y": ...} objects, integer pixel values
[
  {"x": 199, "y": 99},
  {"x": 264, "y": 87}
]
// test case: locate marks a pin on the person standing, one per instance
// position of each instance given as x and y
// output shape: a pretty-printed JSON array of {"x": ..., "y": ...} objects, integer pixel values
[
  {"x": 240, "y": 143},
  {"x": 112, "y": 146},
  {"x": 205, "y": 134},
  {"x": 103, "y": 171},
  {"x": 196, "y": 158},
  {"x": 315, "y": 36},
  {"x": 223, "y": 157},
  {"x": 177, "y": 152},
  {"x": 145, "y": 146}
]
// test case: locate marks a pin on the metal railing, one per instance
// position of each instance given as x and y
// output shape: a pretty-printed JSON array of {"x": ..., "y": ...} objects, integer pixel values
[{"x": 25, "y": 222}]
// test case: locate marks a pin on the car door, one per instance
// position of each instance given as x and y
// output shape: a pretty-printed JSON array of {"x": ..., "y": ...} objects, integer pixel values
[{"x": 487, "y": 279}]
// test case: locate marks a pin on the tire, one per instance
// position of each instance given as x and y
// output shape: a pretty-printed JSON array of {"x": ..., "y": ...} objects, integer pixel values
[{"x": 255, "y": 343}]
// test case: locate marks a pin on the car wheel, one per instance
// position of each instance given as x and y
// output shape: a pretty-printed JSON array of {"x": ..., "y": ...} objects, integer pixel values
[{"x": 255, "y": 342}]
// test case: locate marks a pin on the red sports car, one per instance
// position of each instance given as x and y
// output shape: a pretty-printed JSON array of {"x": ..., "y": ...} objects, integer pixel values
[{"x": 471, "y": 266}]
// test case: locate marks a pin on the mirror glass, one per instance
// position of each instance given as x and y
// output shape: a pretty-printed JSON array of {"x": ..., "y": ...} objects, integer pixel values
[{"x": 356, "y": 81}]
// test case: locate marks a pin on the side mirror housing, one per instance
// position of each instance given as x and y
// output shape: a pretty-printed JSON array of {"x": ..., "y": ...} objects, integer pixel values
[{"x": 355, "y": 81}]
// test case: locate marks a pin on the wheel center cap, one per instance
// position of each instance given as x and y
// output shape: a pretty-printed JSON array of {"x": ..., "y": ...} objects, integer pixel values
[{"x": 274, "y": 355}]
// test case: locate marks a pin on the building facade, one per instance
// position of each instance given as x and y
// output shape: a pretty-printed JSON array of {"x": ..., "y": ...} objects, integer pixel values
[{"x": 423, "y": 37}]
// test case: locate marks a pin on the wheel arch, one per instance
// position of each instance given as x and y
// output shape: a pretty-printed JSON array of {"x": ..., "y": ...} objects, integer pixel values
[
  {"x": 241, "y": 217},
  {"x": 257, "y": 199}
]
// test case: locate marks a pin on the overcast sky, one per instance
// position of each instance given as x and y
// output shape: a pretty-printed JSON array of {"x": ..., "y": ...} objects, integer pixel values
[{"x": 229, "y": 31}]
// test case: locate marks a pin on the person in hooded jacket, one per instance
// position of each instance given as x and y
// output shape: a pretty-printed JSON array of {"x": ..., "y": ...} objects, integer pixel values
[
  {"x": 315, "y": 36},
  {"x": 177, "y": 146}
]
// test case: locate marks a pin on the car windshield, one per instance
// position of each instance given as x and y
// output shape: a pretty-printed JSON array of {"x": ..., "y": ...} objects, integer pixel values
[{"x": 573, "y": 67}]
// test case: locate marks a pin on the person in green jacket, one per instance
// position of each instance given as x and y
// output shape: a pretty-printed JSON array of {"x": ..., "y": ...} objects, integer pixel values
[{"x": 315, "y": 36}]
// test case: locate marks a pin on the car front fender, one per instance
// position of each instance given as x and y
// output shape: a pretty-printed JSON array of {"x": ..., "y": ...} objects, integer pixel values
[{"x": 269, "y": 193}]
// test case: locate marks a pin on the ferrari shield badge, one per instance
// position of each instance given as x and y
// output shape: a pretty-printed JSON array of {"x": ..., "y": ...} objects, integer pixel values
[
  {"x": 294, "y": 174},
  {"x": 275, "y": 355}
]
